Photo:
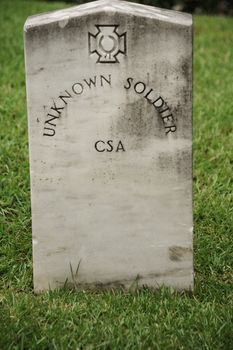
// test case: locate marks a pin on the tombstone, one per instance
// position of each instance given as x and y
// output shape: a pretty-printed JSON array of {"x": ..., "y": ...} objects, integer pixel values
[{"x": 109, "y": 90}]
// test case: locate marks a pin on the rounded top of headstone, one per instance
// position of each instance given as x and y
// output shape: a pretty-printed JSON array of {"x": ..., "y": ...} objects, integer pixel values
[{"x": 115, "y": 6}]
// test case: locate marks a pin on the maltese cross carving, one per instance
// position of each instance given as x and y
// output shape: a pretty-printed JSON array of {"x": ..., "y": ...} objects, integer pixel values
[{"x": 107, "y": 44}]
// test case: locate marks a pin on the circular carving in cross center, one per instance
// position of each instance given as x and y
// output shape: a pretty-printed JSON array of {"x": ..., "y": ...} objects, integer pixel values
[{"x": 108, "y": 43}]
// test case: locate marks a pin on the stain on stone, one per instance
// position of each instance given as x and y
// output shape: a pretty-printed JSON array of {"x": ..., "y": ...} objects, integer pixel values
[
  {"x": 131, "y": 283},
  {"x": 111, "y": 285},
  {"x": 57, "y": 251},
  {"x": 140, "y": 120},
  {"x": 185, "y": 68},
  {"x": 177, "y": 253},
  {"x": 179, "y": 162},
  {"x": 64, "y": 30}
]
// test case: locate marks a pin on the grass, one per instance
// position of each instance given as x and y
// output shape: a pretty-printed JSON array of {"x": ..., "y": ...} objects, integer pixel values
[{"x": 67, "y": 319}]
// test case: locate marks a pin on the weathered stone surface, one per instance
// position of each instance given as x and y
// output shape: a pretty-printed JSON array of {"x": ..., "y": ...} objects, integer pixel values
[{"x": 110, "y": 123}]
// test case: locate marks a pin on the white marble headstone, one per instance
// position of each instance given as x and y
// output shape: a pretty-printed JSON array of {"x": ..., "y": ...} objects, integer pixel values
[{"x": 109, "y": 88}]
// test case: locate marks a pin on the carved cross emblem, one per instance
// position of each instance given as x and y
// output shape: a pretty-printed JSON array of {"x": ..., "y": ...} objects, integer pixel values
[{"x": 107, "y": 43}]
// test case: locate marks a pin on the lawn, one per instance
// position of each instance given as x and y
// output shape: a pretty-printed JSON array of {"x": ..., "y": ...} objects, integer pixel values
[{"x": 164, "y": 319}]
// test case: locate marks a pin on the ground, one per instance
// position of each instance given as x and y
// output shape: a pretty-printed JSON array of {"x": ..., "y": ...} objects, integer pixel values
[{"x": 165, "y": 319}]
